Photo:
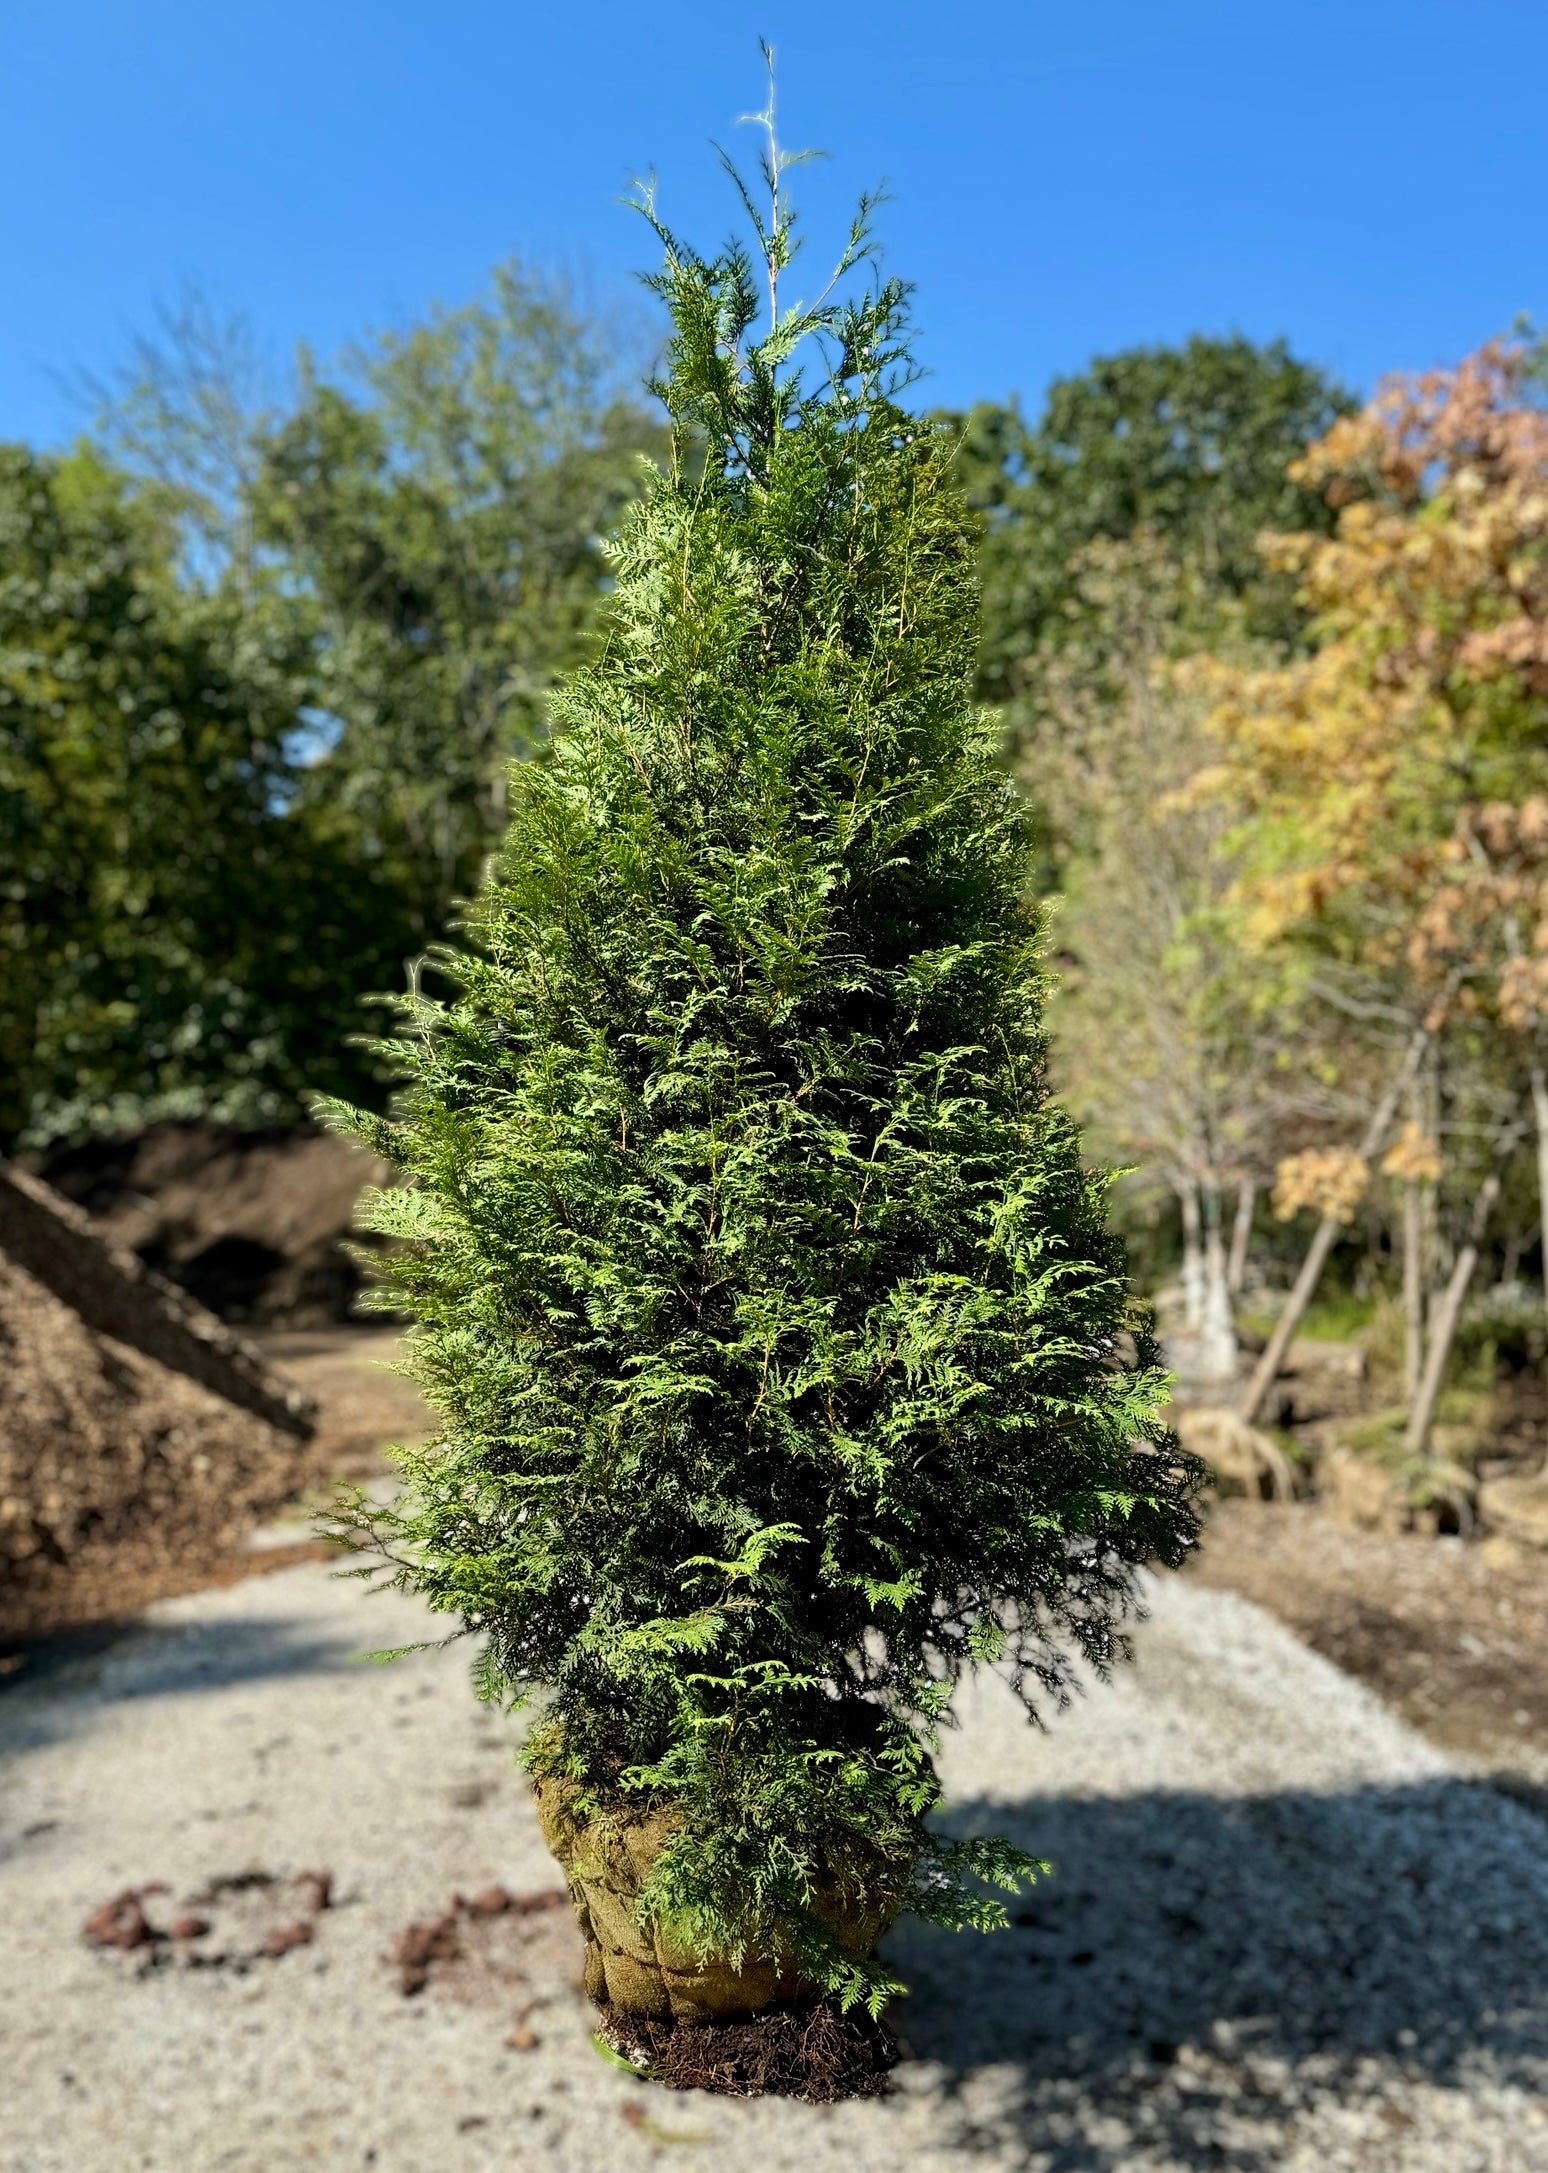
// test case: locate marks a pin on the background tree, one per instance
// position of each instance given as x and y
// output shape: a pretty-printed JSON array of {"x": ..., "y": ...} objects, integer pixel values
[
  {"x": 1189, "y": 444},
  {"x": 1120, "y": 535},
  {"x": 178, "y": 932},
  {"x": 185, "y": 410},
  {"x": 441, "y": 501},
  {"x": 264, "y": 659},
  {"x": 1355, "y": 767},
  {"x": 1185, "y": 1053}
]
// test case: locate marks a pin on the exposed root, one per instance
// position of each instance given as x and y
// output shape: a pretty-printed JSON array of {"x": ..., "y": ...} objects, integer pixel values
[{"x": 812, "y": 2052}]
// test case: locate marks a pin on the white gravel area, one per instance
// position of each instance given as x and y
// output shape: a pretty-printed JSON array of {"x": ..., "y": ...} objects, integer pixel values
[{"x": 1282, "y": 1931}]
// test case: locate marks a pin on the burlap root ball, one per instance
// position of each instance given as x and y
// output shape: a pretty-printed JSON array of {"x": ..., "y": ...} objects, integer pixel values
[{"x": 641, "y": 1968}]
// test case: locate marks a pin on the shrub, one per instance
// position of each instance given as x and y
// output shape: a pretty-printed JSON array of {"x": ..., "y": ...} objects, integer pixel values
[{"x": 781, "y": 1349}]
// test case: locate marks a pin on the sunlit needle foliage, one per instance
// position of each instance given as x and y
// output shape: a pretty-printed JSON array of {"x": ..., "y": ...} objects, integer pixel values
[{"x": 777, "y": 1337}]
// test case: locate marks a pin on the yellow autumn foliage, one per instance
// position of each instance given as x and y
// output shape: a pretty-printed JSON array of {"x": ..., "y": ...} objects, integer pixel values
[
  {"x": 1425, "y": 693},
  {"x": 1414, "y": 1156},
  {"x": 1330, "y": 1180}
]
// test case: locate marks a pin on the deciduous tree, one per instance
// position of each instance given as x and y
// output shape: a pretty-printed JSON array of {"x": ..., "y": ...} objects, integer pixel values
[{"x": 1425, "y": 695}]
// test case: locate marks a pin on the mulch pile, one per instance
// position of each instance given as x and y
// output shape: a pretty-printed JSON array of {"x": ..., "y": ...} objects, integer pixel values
[
  {"x": 134, "y": 1429},
  {"x": 814, "y": 2052}
]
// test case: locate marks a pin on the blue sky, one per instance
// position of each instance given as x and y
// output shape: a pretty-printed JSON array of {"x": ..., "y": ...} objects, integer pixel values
[{"x": 1366, "y": 177}]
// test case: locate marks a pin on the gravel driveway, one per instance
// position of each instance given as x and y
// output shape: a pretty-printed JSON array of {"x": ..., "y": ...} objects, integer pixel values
[{"x": 1282, "y": 1932}]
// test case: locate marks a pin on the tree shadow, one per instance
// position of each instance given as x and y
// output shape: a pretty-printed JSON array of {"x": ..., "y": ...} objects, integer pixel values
[
  {"x": 71, "y": 1679},
  {"x": 1201, "y": 1972}
]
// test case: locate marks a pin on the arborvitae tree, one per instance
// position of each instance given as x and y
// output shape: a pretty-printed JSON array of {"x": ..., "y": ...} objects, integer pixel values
[{"x": 782, "y": 1353}]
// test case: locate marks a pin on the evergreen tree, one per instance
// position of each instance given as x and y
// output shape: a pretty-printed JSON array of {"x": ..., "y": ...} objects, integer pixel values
[{"x": 777, "y": 1337}]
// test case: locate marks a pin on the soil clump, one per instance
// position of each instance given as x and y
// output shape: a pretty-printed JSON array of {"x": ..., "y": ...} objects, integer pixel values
[
  {"x": 815, "y": 2052},
  {"x": 465, "y": 1934},
  {"x": 233, "y": 1922}
]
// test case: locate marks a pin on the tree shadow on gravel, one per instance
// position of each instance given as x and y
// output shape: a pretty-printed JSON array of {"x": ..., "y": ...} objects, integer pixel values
[
  {"x": 1201, "y": 1973},
  {"x": 69, "y": 1680}
]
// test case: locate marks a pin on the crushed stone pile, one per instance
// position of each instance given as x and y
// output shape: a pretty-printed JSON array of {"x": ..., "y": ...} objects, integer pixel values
[{"x": 1281, "y": 1934}]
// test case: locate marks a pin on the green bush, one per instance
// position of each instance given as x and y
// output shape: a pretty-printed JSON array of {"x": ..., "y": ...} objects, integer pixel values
[{"x": 780, "y": 1346}]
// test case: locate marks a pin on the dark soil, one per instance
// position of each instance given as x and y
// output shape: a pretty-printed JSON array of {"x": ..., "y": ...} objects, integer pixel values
[
  {"x": 812, "y": 2052},
  {"x": 250, "y": 1223},
  {"x": 1452, "y": 1633}
]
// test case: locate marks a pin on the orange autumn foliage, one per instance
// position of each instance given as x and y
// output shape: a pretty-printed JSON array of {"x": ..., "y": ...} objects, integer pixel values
[
  {"x": 1427, "y": 688},
  {"x": 1485, "y": 924}
]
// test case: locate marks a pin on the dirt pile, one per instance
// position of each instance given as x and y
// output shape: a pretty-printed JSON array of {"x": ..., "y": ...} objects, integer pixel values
[
  {"x": 1452, "y": 1633},
  {"x": 133, "y": 1427},
  {"x": 249, "y": 1223}
]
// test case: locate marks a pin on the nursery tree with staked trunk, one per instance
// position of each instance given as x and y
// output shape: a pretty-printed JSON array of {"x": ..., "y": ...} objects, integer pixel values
[{"x": 783, "y": 1357}]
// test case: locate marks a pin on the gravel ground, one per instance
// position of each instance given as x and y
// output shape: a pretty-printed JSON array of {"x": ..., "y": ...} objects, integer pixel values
[
  {"x": 1451, "y": 1633},
  {"x": 1282, "y": 1930}
]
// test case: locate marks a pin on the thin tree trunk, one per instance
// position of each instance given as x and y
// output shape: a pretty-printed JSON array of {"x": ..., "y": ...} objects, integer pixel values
[
  {"x": 1444, "y": 1314},
  {"x": 1540, "y": 1118},
  {"x": 1217, "y": 1338},
  {"x": 1241, "y": 1235},
  {"x": 1435, "y": 1239},
  {"x": 1302, "y": 1291},
  {"x": 1413, "y": 1290},
  {"x": 1540, "y": 1115},
  {"x": 1193, "y": 1257},
  {"x": 1266, "y": 1371}
]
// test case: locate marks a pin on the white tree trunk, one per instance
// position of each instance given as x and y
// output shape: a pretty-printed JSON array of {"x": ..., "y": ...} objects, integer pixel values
[
  {"x": 1413, "y": 1290},
  {"x": 1266, "y": 1372},
  {"x": 1444, "y": 1315},
  {"x": 1217, "y": 1333},
  {"x": 1241, "y": 1235},
  {"x": 1193, "y": 1257},
  {"x": 1540, "y": 1116}
]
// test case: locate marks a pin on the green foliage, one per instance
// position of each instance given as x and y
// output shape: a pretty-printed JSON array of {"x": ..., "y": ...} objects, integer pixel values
[
  {"x": 1188, "y": 445},
  {"x": 261, "y": 670},
  {"x": 1335, "y": 1316},
  {"x": 1119, "y": 535},
  {"x": 440, "y": 505},
  {"x": 1502, "y": 1329},
  {"x": 1443, "y": 1477},
  {"x": 176, "y": 932},
  {"x": 773, "y": 1323}
]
